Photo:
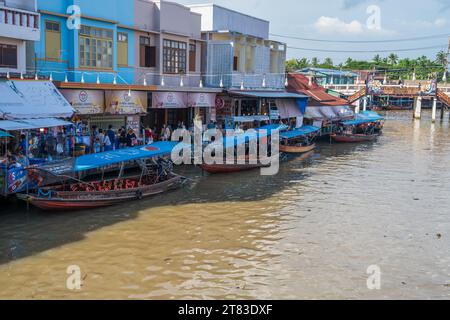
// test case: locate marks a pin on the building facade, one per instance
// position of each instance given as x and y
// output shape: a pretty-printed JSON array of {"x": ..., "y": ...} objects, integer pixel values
[
  {"x": 238, "y": 51},
  {"x": 19, "y": 28},
  {"x": 325, "y": 77}
]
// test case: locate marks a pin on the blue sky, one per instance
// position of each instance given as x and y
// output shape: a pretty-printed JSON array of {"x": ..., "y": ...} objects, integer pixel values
[{"x": 347, "y": 20}]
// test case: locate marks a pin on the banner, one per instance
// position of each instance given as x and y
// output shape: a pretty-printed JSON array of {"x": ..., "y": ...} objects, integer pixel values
[
  {"x": 201, "y": 100},
  {"x": 122, "y": 102},
  {"x": 85, "y": 101},
  {"x": 169, "y": 100}
]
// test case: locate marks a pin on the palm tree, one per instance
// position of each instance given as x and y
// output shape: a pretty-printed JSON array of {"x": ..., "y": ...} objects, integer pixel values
[
  {"x": 328, "y": 62},
  {"x": 441, "y": 58},
  {"x": 393, "y": 59},
  {"x": 377, "y": 59},
  {"x": 315, "y": 62}
]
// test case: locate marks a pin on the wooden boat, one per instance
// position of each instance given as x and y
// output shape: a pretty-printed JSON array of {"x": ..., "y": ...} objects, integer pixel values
[
  {"x": 353, "y": 138},
  {"x": 81, "y": 196},
  {"x": 229, "y": 168},
  {"x": 397, "y": 108},
  {"x": 297, "y": 148},
  {"x": 299, "y": 141},
  {"x": 73, "y": 194}
]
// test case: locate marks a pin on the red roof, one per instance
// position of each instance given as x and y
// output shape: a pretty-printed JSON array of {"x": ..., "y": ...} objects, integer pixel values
[{"x": 299, "y": 83}]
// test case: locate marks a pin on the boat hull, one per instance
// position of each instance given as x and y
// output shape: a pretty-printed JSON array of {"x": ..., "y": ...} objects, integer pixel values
[
  {"x": 229, "y": 168},
  {"x": 73, "y": 200},
  {"x": 295, "y": 149},
  {"x": 354, "y": 138}
]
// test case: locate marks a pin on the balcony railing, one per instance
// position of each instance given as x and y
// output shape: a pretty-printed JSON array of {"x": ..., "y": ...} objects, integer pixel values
[{"x": 18, "y": 17}]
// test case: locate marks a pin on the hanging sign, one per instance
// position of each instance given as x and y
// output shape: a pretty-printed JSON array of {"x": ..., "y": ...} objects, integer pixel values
[{"x": 126, "y": 102}]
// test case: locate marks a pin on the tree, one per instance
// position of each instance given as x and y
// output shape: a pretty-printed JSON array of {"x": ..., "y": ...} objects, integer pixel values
[
  {"x": 328, "y": 62},
  {"x": 441, "y": 58},
  {"x": 315, "y": 62},
  {"x": 393, "y": 59},
  {"x": 377, "y": 59}
]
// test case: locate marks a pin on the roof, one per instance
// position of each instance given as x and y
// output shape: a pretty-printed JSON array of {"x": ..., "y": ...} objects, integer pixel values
[
  {"x": 269, "y": 94},
  {"x": 24, "y": 99},
  {"x": 4, "y": 134},
  {"x": 98, "y": 160},
  {"x": 303, "y": 131},
  {"x": 329, "y": 72},
  {"x": 30, "y": 124},
  {"x": 299, "y": 83}
]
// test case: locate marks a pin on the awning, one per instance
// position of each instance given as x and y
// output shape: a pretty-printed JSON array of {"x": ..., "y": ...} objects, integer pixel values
[
  {"x": 4, "y": 134},
  {"x": 288, "y": 108},
  {"x": 343, "y": 111},
  {"x": 328, "y": 112},
  {"x": 313, "y": 113},
  {"x": 10, "y": 125},
  {"x": 300, "y": 132},
  {"x": 32, "y": 99},
  {"x": 269, "y": 94}
]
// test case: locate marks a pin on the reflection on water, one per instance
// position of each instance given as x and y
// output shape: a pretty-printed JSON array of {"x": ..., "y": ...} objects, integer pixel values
[{"x": 309, "y": 232}]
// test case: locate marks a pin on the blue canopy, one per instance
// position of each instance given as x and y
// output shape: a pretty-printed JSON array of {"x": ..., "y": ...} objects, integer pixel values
[
  {"x": 4, "y": 134},
  {"x": 250, "y": 135},
  {"x": 98, "y": 160},
  {"x": 303, "y": 131},
  {"x": 364, "y": 117}
]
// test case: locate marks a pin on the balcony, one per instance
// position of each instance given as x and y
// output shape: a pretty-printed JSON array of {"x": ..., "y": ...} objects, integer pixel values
[
  {"x": 19, "y": 24},
  {"x": 249, "y": 81}
]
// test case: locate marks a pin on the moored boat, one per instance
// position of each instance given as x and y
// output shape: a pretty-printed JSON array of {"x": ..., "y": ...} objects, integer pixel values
[
  {"x": 156, "y": 177},
  {"x": 366, "y": 127},
  {"x": 298, "y": 141},
  {"x": 353, "y": 138}
]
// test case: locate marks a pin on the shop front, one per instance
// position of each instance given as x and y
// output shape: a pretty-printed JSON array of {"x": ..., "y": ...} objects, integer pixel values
[{"x": 174, "y": 108}]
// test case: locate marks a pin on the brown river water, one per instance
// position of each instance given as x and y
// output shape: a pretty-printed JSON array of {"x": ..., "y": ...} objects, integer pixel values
[{"x": 309, "y": 232}]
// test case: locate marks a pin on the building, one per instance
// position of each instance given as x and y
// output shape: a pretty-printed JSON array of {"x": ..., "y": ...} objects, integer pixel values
[
  {"x": 19, "y": 27},
  {"x": 124, "y": 56},
  {"x": 330, "y": 76},
  {"x": 239, "y": 53}
]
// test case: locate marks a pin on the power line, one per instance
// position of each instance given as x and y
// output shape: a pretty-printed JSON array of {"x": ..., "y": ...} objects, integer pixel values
[
  {"x": 366, "y": 51},
  {"x": 436, "y": 36}
]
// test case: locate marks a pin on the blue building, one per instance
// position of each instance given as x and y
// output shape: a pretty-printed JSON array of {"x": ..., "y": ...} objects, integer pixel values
[{"x": 330, "y": 76}]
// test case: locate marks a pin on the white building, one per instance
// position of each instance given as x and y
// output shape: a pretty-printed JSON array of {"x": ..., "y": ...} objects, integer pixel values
[
  {"x": 19, "y": 24},
  {"x": 238, "y": 50}
]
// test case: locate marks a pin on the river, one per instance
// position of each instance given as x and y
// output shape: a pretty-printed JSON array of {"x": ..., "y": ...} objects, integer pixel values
[{"x": 309, "y": 232}]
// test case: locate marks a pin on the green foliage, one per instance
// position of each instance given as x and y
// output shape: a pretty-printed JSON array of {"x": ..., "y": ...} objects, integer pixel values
[{"x": 392, "y": 65}]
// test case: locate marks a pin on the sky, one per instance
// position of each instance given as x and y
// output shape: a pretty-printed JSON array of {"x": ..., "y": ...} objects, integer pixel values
[{"x": 354, "y": 20}]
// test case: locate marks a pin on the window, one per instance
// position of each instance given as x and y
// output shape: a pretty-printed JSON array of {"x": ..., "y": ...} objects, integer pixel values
[
  {"x": 8, "y": 56},
  {"x": 192, "y": 58},
  {"x": 52, "y": 40},
  {"x": 122, "y": 49},
  {"x": 96, "y": 48},
  {"x": 147, "y": 53},
  {"x": 235, "y": 63},
  {"x": 174, "y": 56}
]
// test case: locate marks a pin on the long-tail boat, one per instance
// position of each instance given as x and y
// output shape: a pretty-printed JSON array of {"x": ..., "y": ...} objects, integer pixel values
[
  {"x": 366, "y": 127},
  {"x": 298, "y": 141},
  {"x": 231, "y": 143},
  {"x": 156, "y": 177}
]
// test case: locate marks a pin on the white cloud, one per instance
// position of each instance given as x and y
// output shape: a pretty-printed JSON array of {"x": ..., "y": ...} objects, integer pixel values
[
  {"x": 335, "y": 25},
  {"x": 440, "y": 22}
]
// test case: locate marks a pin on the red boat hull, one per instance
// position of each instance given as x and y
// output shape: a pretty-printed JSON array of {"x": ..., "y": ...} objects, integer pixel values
[{"x": 354, "y": 138}]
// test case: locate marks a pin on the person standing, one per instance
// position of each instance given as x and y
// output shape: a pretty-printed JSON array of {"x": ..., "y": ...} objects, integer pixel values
[
  {"x": 101, "y": 139},
  {"x": 112, "y": 136},
  {"x": 130, "y": 138}
]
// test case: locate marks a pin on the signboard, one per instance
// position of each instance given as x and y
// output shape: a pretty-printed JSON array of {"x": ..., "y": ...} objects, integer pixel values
[
  {"x": 125, "y": 102},
  {"x": 85, "y": 101},
  {"x": 169, "y": 100},
  {"x": 134, "y": 122},
  {"x": 201, "y": 100}
]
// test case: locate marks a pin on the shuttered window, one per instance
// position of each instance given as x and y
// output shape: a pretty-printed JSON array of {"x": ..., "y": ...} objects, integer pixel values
[
  {"x": 147, "y": 53},
  {"x": 192, "y": 58},
  {"x": 122, "y": 49},
  {"x": 52, "y": 40}
]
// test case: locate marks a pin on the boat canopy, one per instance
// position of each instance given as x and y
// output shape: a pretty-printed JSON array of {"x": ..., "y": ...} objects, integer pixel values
[
  {"x": 251, "y": 118},
  {"x": 99, "y": 160},
  {"x": 300, "y": 132},
  {"x": 370, "y": 115},
  {"x": 250, "y": 135},
  {"x": 3, "y": 134},
  {"x": 29, "y": 124}
]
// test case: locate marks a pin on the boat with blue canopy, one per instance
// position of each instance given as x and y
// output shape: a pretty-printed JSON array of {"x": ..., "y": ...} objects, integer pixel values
[
  {"x": 156, "y": 176},
  {"x": 241, "y": 139},
  {"x": 366, "y": 126},
  {"x": 300, "y": 140}
]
